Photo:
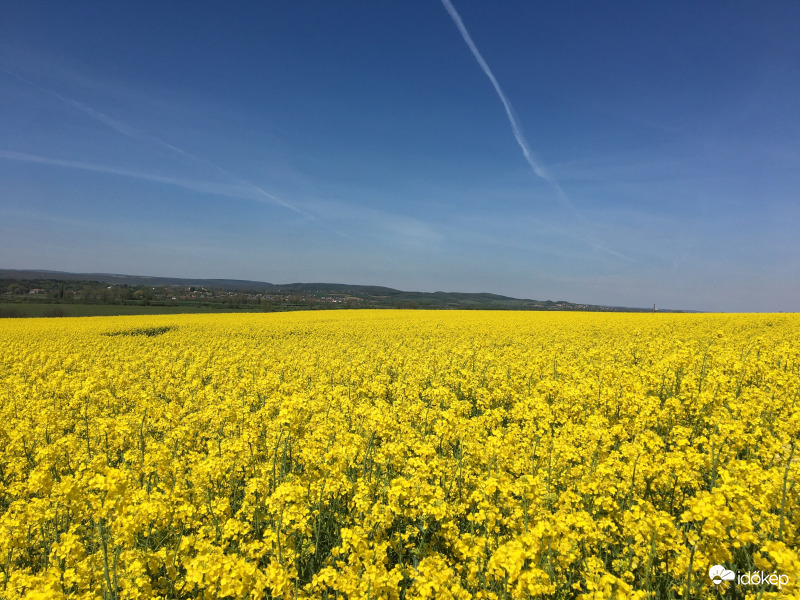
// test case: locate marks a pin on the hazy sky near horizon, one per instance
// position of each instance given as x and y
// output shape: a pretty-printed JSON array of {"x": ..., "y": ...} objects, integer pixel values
[{"x": 619, "y": 153}]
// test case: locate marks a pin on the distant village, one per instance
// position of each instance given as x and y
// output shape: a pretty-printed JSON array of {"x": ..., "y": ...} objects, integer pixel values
[{"x": 89, "y": 292}]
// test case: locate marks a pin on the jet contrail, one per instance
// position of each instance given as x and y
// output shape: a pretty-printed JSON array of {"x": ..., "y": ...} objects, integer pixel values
[
  {"x": 126, "y": 130},
  {"x": 515, "y": 127},
  {"x": 240, "y": 190},
  {"x": 517, "y": 130},
  {"x": 237, "y": 180}
]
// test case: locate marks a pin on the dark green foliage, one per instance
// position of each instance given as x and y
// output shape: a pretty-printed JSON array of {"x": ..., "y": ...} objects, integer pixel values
[{"x": 148, "y": 331}]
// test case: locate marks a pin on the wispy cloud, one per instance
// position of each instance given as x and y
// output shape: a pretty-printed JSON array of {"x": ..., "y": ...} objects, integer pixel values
[
  {"x": 242, "y": 192},
  {"x": 374, "y": 224},
  {"x": 123, "y": 128},
  {"x": 394, "y": 229},
  {"x": 234, "y": 178},
  {"x": 378, "y": 227},
  {"x": 103, "y": 118}
]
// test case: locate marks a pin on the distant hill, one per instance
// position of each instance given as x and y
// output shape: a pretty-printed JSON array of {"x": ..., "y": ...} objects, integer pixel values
[
  {"x": 369, "y": 295},
  {"x": 227, "y": 284}
]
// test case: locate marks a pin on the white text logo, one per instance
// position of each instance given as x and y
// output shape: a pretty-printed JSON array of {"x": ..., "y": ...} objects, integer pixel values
[{"x": 718, "y": 574}]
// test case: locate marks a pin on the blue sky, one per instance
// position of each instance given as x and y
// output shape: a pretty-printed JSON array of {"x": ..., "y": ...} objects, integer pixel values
[{"x": 650, "y": 152}]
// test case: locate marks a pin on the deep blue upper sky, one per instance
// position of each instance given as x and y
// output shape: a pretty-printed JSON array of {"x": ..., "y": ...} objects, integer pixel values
[{"x": 364, "y": 142}]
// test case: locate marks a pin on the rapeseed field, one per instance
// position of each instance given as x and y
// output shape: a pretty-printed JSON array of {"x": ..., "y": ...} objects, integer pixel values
[{"x": 399, "y": 454}]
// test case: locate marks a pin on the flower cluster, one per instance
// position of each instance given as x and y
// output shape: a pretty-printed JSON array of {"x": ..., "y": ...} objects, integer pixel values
[{"x": 397, "y": 454}]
